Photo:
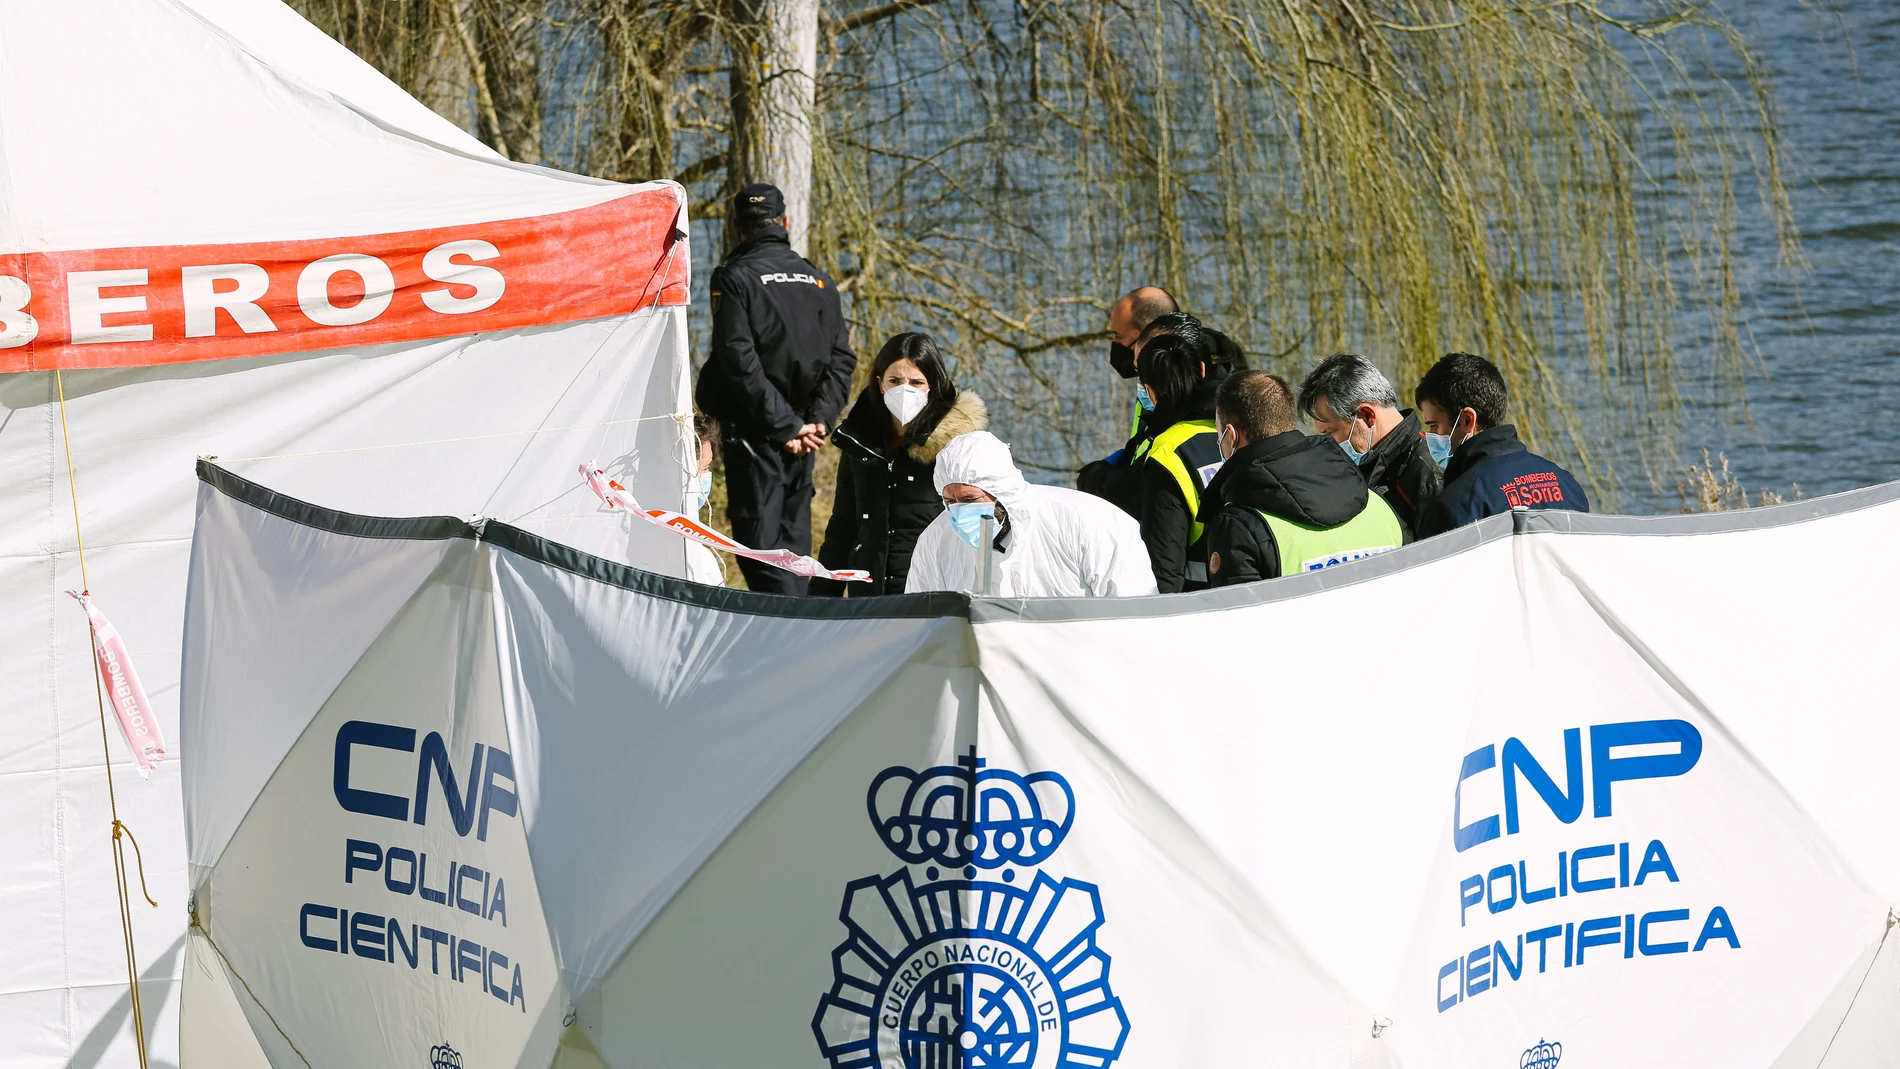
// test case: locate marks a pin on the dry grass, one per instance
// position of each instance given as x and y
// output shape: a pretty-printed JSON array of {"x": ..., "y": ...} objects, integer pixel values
[{"x": 1710, "y": 487}]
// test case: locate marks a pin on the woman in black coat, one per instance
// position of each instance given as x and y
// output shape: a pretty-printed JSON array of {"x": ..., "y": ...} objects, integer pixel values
[
  {"x": 890, "y": 440},
  {"x": 1176, "y": 372}
]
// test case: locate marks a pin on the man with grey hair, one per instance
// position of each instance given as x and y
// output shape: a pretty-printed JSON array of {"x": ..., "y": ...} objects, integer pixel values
[{"x": 1348, "y": 398}]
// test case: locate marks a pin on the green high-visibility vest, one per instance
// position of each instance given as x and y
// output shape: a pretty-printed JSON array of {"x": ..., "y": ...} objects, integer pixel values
[
  {"x": 1308, "y": 549},
  {"x": 1190, "y": 450}
]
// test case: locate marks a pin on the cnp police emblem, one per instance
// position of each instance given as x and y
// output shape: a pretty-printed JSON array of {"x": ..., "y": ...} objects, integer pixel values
[{"x": 957, "y": 972}]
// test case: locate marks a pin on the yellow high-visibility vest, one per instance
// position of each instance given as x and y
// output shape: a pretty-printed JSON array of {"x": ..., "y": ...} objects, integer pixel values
[
  {"x": 1308, "y": 549},
  {"x": 1190, "y": 450}
]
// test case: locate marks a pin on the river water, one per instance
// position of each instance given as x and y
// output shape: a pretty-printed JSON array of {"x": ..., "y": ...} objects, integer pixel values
[
  {"x": 1821, "y": 408},
  {"x": 1822, "y": 403}
]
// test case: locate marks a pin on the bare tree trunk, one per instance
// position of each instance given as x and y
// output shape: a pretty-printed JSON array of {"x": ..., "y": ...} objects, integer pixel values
[
  {"x": 443, "y": 81},
  {"x": 501, "y": 44},
  {"x": 774, "y": 47},
  {"x": 511, "y": 39}
]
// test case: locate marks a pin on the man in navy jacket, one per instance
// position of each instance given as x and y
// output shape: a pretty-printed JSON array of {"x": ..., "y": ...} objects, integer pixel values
[{"x": 1490, "y": 471}]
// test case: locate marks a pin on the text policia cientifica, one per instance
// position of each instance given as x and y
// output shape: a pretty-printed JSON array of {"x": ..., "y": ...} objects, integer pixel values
[
  {"x": 1619, "y": 753},
  {"x": 443, "y": 891}
]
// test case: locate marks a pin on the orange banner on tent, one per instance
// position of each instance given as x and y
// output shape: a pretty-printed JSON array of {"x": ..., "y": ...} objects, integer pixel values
[{"x": 175, "y": 303}]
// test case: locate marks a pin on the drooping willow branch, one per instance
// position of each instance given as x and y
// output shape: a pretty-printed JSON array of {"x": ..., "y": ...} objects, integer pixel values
[{"x": 1552, "y": 184}]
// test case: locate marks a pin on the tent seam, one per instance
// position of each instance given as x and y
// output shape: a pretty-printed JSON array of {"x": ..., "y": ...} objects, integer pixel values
[
  {"x": 1126, "y": 773},
  {"x": 1628, "y": 636},
  {"x": 495, "y": 160},
  {"x": 1858, "y": 988},
  {"x": 59, "y": 750},
  {"x": 585, "y": 367},
  {"x": 315, "y": 714},
  {"x": 265, "y": 1010}
]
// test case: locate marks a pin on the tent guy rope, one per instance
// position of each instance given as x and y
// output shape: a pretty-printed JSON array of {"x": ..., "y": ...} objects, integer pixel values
[{"x": 119, "y": 829}]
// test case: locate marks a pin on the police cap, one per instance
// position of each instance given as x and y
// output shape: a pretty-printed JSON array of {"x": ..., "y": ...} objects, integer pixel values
[{"x": 760, "y": 198}]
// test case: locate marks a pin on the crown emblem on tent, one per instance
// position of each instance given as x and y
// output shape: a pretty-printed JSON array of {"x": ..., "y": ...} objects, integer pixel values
[
  {"x": 965, "y": 969},
  {"x": 443, "y": 1056},
  {"x": 965, "y": 815},
  {"x": 1542, "y": 1055}
]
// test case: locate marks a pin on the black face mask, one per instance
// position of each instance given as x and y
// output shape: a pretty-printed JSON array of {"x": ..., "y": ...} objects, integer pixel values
[{"x": 1122, "y": 359}]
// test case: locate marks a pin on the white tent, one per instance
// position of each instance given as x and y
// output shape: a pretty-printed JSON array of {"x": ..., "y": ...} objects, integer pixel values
[
  {"x": 236, "y": 238},
  {"x": 1601, "y": 791}
]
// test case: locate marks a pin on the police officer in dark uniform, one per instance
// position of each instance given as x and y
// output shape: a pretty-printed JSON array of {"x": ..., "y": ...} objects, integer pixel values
[{"x": 780, "y": 370}]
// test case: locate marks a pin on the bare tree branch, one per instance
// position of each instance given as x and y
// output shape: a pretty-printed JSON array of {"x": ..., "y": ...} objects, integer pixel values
[{"x": 874, "y": 15}]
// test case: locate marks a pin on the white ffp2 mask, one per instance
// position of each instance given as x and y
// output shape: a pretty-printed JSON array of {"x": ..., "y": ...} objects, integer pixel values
[{"x": 905, "y": 402}]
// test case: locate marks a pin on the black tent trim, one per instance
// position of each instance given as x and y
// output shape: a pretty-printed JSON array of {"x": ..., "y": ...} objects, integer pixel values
[{"x": 938, "y": 605}]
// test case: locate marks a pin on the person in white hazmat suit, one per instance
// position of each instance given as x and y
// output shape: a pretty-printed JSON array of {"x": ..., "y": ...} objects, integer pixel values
[{"x": 1052, "y": 542}]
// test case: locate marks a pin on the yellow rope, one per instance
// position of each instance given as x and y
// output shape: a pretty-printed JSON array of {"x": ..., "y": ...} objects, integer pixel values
[
  {"x": 677, "y": 417},
  {"x": 118, "y": 826}
]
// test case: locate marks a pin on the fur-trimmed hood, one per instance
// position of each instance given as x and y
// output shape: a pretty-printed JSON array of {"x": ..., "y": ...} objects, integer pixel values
[
  {"x": 886, "y": 496},
  {"x": 967, "y": 414}
]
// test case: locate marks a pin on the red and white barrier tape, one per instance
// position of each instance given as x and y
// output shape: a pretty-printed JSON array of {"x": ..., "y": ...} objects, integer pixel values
[{"x": 616, "y": 496}]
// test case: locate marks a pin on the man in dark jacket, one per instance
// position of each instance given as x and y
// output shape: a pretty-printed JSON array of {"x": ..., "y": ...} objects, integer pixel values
[
  {"x": 780, "y": 369},
  {"x": 1490, "y": 470},
  {"x": 1348, "y": 398},
  {"x": 1142, "y": 314},
  {"x": 1283, "y": 502},
  {"x": 1117, "y": 477},
  {"x": 1128, "y": 317},
  {"x": 1114, "y": 478}
]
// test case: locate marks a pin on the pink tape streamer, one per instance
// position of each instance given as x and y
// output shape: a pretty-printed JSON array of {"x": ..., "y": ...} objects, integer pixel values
[
  {"x": 136, "y": 717},
  {"x": 616, "y": 496}
]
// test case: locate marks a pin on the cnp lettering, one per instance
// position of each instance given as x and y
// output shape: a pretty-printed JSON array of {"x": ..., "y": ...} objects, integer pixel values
[
  {"x": 1679, "y": 741},
  {"x": 467, "y": 808}
]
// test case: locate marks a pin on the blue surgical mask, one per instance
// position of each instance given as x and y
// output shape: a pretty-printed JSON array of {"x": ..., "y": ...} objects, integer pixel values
[
  {"x": 1440, "y": 445},
  {"x": 703, "y": 492},
  {"x": 968, "y": 516},
  {"x": 1352, "y": 452},
  {"x": 1144, "y": 399}
]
